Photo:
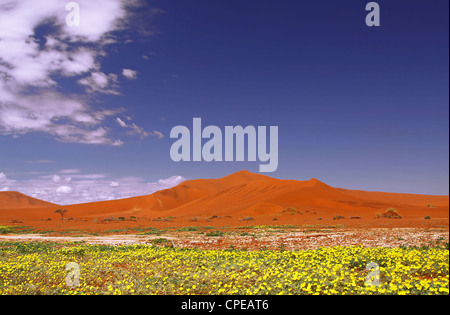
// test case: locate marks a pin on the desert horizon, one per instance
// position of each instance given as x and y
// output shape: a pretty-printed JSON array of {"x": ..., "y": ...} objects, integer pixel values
[
  {"x": 258, "y": 199},
  {"x": 36, "y": 201}
]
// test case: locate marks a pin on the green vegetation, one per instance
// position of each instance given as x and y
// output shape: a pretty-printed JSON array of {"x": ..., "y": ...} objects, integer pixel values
[
  {"x": 160, "y": 241},
  {"x": 291, "y": 211},
  {"x": 188, "y": 229},
  {"x": 16, "y": 229},
  {"x": 215, "y": 233}
]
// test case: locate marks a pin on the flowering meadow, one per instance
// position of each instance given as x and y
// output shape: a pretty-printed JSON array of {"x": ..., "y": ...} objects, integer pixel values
[{"x": 78, "y": 268}]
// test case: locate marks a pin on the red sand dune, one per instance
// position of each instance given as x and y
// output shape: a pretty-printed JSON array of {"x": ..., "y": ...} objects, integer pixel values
[
  {"x": 17, "y": 200},
  {"x": 241, "y": 195}
]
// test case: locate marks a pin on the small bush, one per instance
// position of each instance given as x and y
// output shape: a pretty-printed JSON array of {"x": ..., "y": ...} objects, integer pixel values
[
  {"x": 160, "y": 240},
  {"x": 338, "y": 217},
  {"x": 188, "y": 229},
  {"x": 214, "y": 233},
  {"x": 291, "y": 211},
  {"x": 391, "y": 213},
  {"x": 5, "y": 230},
  {"x": 18, "y": 229}
]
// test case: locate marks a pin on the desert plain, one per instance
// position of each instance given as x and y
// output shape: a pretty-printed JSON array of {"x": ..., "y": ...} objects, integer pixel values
[
  {"x": 240, "y": 210},
  {"x": 241, "y": 234}
]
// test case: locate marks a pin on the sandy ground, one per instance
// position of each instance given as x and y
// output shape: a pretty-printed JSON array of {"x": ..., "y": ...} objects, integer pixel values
[{"x": 258, "y": 239}]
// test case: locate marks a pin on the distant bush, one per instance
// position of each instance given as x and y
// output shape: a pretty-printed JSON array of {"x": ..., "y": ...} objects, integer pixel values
[
  {"x": 391, "y": 213},
  {"x": 215, "y": 233},
  {"x": 113, "y": 219},
  {"x": 188, "y": 229},
  {"x": 291, "y": 211},
  {"x": 5, "y": 230},
  {"x": 62, "y": 212},
  {"x": 338, "y": 217},
  {"x": 427, "y": 217},
  {"x": 160, "y": 240}
]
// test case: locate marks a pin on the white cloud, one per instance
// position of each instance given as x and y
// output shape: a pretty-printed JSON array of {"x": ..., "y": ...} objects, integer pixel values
[
  {"x": 137, "y": 130},
  {"x": 82, "y": 188},
  {"x": 157, "y": 134},
  {"x": 31, "y": 63},
  {"x": 64, "y": 190},
  {"x": 102, "y": 83},
  {"x": 129, "y": 74},
  {"x": 171, "y": 181},
  {"x": 121, "y": 122},
  {"x": 58, "y": 179}
]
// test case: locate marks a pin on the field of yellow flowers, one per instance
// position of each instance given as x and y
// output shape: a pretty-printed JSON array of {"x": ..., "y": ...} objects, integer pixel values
[{"x": 78, "y": 268}]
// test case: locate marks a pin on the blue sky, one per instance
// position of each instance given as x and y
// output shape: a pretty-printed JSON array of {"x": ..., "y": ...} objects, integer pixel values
[{"x": 86, "y": 112}]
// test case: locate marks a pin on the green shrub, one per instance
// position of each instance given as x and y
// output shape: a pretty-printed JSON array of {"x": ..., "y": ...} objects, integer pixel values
[
  {"x": 188, "y": 229},
  {"x": 215, "y": 233},
  {"x": 5, "y": 230},
  {"x": 160, "y": 240}
]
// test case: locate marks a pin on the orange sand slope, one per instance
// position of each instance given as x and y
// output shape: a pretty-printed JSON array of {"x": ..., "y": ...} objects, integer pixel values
[
  {"x": 239, "y": 195},
  {"x": 17, "y": 200}
]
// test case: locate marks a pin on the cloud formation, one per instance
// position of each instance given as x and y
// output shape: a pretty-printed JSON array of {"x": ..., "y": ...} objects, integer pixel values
[
  {"x": 134, "y": 129},
  {"x": 82, "y": 188},
  {"x": 101, "y": 83},
  {"x": 129, "y": 74},
  {"x": 38, "y": 49}
]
